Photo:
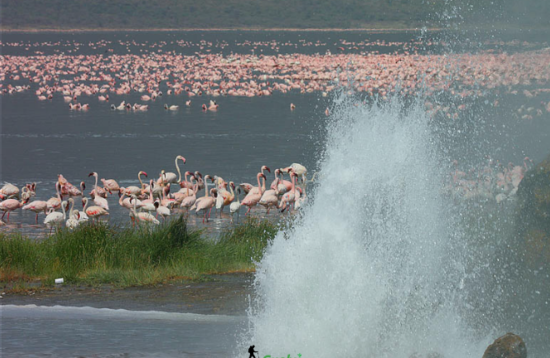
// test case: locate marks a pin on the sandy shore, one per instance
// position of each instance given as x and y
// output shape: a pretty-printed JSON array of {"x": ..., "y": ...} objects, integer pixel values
[{"x": 220, "y": 294}]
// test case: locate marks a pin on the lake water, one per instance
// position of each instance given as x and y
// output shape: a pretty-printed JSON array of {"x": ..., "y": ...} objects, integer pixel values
[{"x": 41, "y": 139}]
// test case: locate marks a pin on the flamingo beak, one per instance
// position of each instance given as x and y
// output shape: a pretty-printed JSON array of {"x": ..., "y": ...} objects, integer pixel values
[
  {"x": 269, "y": 170},
  {"x": 89, "y": 175}
]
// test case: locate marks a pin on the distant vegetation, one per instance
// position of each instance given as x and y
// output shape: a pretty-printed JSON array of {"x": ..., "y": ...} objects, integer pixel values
[
  {"x": 261, "y": 14},
  {"x": 98, "y": 254}
]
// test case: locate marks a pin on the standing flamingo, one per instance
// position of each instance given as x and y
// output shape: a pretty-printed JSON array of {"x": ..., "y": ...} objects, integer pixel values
[
  {"x": 171, "y": 177},
  {"x": 54, "y": 218},
  {"x": 36, "y": 206},
  {"x": 141, "y": 216},
  {"x": 93, "y": 211},
  {"x": 134, "y": 190},
  {"x": 289, "y": 198},
  {"x": 98, "y": 200},
  {"x": 9, "y": 205},
  {"x": 207, "y": 202},
  {"x": 236, "y": 205},
  {"x": 253, "y": 197},
  {"x": 191, "y": 197},
  {"x": 55, "y": 203}
]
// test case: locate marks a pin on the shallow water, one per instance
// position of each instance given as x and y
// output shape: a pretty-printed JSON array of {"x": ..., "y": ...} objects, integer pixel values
[{"x": 61, "y": 331}]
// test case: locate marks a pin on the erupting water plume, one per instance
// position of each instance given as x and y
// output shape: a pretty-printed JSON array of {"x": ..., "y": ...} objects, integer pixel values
[{"x": 375, "y": 266}]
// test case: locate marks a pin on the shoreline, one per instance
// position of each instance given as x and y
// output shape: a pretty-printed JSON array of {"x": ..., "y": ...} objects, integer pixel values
[{"x": 225, "y": 294}]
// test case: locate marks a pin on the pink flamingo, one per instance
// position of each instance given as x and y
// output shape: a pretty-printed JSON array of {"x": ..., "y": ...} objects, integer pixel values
[
  {"x": 169, "y": 177},
  {"x": 191, "y": 197},
  {"x": 55, "y": 203},
  {"x": 253, "y": 197},
  {"x": 93, "y": 211},
  {"x": 289, "y": 197},
  {"x": 98, "y": 200},
  {"x": 37, "y": 206},
  {"x": 10, "y": 205},
  {"x": 206, "y": 203}
]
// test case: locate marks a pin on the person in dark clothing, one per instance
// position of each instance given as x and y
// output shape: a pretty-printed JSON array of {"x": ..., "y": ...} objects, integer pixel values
[{"x": 252, "y": 351}]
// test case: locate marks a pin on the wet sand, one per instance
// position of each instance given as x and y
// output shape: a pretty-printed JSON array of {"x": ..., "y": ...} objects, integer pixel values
[{"x": 220, "y": 294}]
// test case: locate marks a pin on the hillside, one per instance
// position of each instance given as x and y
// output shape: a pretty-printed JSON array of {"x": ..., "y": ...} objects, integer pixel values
[{"x": 204, "y": 14}]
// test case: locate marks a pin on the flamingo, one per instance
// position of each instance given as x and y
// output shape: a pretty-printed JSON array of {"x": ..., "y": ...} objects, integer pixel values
[
  {"x": 163, "y": 211},
  {"x": 191, "y": 197},
  {"x": 248, "y": 188},
  {"x": 298, "y": 169},
  {"x": 270, "y": 198},
  {"x": 10, "y": 191},
  {"x": 134, "y": 190},
  {"x": 236, "y": 205},
  {"x": 289, "y": 197},
  {"x": 55, "y": 203},
  {"x": 185, "y": 183},
  {"x": 149, "y": 203},
  {"x": 169, "y": 177},
  {"x": 54, "y": 218},
  {"x": 141, "y": 216},
  {"x": 93, "y": 211},
  {"x": 253, "y": 197},
  {"x": 206, "y": 203},
  {"x": 110, "y": 184},
  {"x": 98, "y": 200},
  {"x": 9, "y": 205},
  {"x": 73, "y": 220},
  {"x": 37, "y": 206},
  {"x": 82, "y": 217},
  {"x": 223, "y": 197},
  {"x": 171, "y": 108}
]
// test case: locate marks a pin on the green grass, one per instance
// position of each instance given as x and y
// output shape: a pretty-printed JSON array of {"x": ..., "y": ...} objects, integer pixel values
[{"x": 103, "y": 254}]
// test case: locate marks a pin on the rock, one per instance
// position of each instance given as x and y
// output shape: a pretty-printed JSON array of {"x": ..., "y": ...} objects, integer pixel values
[
  {"x": 534, "y": 214},
  {"x": 507, "y": 346}
]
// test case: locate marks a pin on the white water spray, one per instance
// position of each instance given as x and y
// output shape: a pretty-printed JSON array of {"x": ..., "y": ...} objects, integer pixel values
[{"x": 373, "y": 268}]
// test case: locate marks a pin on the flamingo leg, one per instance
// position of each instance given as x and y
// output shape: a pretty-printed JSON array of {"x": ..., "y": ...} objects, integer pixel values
[
  {"x": 250, "y": 207},
  {"x": 36, "y": 218}
]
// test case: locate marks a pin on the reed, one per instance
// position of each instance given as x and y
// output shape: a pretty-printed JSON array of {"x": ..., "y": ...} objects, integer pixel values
[{"x": 103, "y": 253}]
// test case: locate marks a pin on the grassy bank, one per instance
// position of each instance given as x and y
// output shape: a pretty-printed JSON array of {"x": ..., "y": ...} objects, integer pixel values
[{"x": 103, "y": 254}]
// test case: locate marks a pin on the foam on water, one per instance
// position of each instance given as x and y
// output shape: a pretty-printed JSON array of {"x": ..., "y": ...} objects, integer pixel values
[{"x": 374, "y": 267}]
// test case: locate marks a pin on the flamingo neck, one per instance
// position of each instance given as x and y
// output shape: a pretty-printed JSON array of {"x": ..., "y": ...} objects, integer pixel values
[
  {"x": 179, "y": 172},
  {"x": 259, "y": 185},
  {"x": 186, "y": 186},
  {"x": 206, "y": 188},
  {"x": 139, "y": 178}
]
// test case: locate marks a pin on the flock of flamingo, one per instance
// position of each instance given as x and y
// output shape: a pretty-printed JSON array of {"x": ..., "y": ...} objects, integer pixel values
[
  {"x": 154, "y": 197},
  {"x": 154, "y": 74},
  {"x": 493, "y": 181}
]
